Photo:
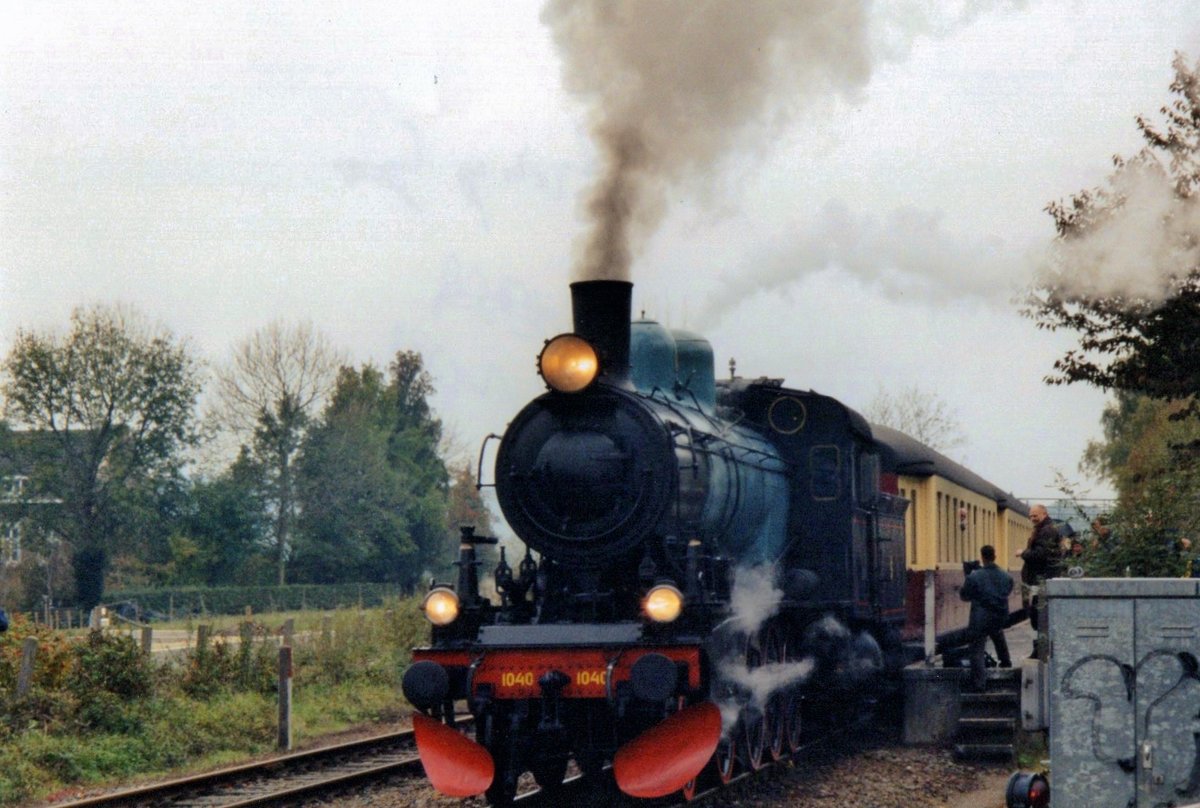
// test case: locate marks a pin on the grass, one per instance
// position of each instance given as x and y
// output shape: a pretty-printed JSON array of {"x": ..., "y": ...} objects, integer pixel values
[
  {"x": 199, "y": 714},
  {"x": 1032, "y": 751}
]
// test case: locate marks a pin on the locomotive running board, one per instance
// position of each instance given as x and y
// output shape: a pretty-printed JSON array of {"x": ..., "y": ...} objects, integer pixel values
[
  {"x": 454, "y": 764},
  {"x": 665, "y": 757}
]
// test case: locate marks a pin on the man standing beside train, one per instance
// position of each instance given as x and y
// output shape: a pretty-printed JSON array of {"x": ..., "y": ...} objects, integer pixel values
[
  {"x": 987, "y": 588},
  {"x": 1043, "y": 559}
]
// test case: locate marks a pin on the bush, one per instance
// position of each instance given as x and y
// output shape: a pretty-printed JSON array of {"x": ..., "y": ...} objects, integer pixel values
[
  {"x": 371, "y": 647},
  {"x": 53, "y": 662},
  {"x": 99, "y": 710},
  {"x": 110, "y": 663},
  {"x": 220, "y": 666},
  {"x": 188, "y": 729},
  {"x": 48, "y": 702},
  {"x": 234, "y": 599}
]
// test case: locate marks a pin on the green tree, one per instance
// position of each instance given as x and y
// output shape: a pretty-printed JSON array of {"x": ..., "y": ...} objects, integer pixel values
[
  {"x": 371, "y": 483},
  {"x": 221, "y": 536},
  {"x": 413, "y": 447},
  {"x": 269, "y": 391},
  {"x": 117, "y": 398},
  {"x": 1149, "y": 454},
  {"x": 1125, "y": 273},
  {"x": 352, "y": 497},
  {"x": 465, "y": 508}
]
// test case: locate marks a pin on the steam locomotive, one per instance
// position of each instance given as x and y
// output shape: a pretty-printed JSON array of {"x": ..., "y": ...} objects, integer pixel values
[{"x": 710, "y": 554}]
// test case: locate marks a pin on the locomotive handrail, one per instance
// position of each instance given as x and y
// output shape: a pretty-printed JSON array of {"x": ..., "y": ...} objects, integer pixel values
[
  {"x": 479, "y": 483},
  {"x": 609, "y": 695},
  {"x": 727, "y": 454},
  {"x": 720, "y": 428}
]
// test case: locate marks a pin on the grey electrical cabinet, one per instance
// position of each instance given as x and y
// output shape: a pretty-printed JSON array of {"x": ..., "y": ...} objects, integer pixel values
[{"x": 1124, "y": 692}]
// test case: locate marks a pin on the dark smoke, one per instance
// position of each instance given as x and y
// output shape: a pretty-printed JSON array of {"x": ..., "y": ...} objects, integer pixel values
[{"x": 672, "y": 86}]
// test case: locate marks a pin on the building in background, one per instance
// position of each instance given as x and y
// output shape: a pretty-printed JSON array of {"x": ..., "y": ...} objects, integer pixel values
[{"x": 29, "y": 555}]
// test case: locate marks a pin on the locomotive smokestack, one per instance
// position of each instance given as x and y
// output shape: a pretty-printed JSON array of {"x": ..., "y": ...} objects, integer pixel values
[{"x": 602, "y": 310}]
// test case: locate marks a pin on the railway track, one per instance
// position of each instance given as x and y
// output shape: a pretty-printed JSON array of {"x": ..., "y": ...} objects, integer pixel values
[
  {"x": 574, "y": 790},
  {"x": 294, "y": 778},
  {"x": 282, "y": 780}
]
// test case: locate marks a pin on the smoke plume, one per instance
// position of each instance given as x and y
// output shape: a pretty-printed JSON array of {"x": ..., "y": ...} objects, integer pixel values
[
  {"x": 1145, "y": 238},
  {"x": 909, "y": 254},
  {"x": 674, "y": 86}
]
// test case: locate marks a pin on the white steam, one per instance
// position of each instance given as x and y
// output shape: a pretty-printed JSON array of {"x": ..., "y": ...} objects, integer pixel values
[
  {"x": 1150, "y": 238},
  {"x": 755, "y": 598},
  {"x": 850, "y": 657},
  {"x": 909, "y": 254}
]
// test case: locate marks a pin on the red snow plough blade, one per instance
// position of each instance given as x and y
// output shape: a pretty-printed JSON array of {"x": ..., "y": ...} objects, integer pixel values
[{"x": 665, "y": 757}]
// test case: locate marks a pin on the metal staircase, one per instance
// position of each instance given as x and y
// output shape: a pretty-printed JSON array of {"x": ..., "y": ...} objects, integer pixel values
[{"x": 988, "y": 720}]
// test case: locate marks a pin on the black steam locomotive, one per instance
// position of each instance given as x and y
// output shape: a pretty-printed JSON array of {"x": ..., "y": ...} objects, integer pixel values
[{"x": 709, "y": 555}]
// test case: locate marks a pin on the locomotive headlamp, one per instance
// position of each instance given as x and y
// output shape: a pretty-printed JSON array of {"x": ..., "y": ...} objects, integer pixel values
[
  {"x": 663, "y": 603},
  {"x": 440, "y": 606},
  {"x": 568, "y": 363}
]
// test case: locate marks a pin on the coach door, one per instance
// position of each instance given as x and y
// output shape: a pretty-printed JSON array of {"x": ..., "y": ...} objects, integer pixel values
[
  {"x": 888, "y": 557},
  {"x": 879, "y": 536}
]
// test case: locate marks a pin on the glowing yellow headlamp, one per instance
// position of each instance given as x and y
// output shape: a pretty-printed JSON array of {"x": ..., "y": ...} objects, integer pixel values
[
  {"x": 663, "y": 603},
  {"x": 440, "y": 606},
  {"x": 568, "y": 363}
]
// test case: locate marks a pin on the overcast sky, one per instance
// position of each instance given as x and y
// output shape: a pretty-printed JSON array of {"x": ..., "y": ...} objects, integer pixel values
[{"x": 410, "y": 176}]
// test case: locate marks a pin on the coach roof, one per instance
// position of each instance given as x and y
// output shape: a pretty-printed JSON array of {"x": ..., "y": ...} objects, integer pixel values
[{"x": 915, "y": 459}]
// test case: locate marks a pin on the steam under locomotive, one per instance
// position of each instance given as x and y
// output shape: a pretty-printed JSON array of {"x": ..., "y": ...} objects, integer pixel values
[{"x": 709, "y": 555}]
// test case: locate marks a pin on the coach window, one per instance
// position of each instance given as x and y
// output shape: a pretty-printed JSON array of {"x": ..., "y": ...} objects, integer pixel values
[
  {"x": 912, "y": 531},
  {"x": 868, "y": 476},
  {"x": 825, "y": 472},
  {"x": 955, "y": 533},
  {"x": 940, "y": 530}
]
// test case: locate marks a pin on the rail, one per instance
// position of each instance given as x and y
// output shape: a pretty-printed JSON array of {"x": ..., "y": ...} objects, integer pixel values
[
  {"x": 281, "y": 779},
  {"x": 288, "y": 779}
]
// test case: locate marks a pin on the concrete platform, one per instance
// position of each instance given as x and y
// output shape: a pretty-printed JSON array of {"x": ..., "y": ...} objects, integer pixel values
[{"x": 933, "y": 694}]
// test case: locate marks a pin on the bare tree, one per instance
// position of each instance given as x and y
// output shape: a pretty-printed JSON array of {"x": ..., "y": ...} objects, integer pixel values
[
  {"x": 918, "y": 414},
  {"x": 275, "y": 381}
]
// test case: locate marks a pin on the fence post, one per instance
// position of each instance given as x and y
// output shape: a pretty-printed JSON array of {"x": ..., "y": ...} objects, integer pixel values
[
  {"x": 202, "y": 639},
  {"x": 285, "y": 698},
  {"x": 147, "y": 640},
  {"x": 94, "y": 618},
  {"x": 289, "y": 631},
  {"x": 246, "y": 635},
  {"x": 25, "y": 675},
  {"x": 326, "y": 630}
]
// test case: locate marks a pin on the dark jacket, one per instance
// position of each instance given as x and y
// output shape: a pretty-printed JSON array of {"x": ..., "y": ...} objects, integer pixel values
[
  {"x": 987, "y": 588},
  {"x": 1042, "y": 555}
]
